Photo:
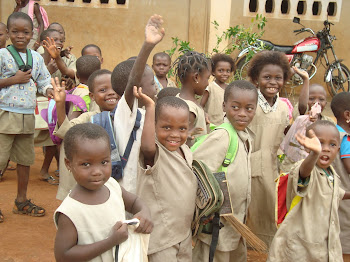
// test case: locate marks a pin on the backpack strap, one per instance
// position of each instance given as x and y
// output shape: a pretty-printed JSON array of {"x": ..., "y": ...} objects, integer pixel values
[
  {"x": 132, "y": 138},
  {"x": 215, "y": 236},
  {"x": 103, "y": 119},
  {"x": 18, "y": 59}
]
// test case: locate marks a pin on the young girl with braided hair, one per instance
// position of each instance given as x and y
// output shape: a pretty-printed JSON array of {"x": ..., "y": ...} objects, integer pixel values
[{"x": 193, "y": 70}]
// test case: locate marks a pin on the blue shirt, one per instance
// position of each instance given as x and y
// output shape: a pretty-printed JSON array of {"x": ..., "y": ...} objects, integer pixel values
[
  {"x": 344, "y": 145},
  {"x": 21, "y": 98}
]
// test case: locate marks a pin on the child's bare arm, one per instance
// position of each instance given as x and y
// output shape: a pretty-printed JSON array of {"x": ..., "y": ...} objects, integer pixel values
[
  {"x": 19, "y": 78},
  {"x": 204, "y": 99},
  {"x": 134, "y": 205},
  {"x": 148, "y": 141},
  {"x": 154, "y": 33},
  {"x": 304, "y": 92},
  {"x": 314, "y": 145},
  {"x": 66, "y": 248},
  {"x": 51, "y": 48},
  {"x": 346, "y": 163},
  {"x": 60, "y": 98}
]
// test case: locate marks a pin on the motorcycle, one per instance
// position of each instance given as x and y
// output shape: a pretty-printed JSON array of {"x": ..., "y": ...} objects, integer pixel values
[{"x": 337, "y": 76}]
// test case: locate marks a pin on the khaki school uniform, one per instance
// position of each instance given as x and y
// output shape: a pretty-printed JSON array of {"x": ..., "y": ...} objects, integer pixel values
[
  {"x": 269, "y": 132},
  {"x": 67, "y": 181},
  {"x": 71, "y": 64},
  {"x": 169, "y": 189},
  {"x": 344, "y": 207},
  {"x": 212, "y": 152},
  {"x": 213, "y": 107},
  {"x": 310, "y": 231},
  {"x": 199, "y": 114}
]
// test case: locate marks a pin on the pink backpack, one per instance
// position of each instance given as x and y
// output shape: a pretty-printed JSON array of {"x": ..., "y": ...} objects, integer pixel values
[{"x": 42, "y": 11}]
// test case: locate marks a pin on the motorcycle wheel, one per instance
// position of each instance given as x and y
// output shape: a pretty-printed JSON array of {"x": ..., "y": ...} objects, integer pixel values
[
  {"x": 334, "y": 82},
  {"x": 242, "y": 68}
]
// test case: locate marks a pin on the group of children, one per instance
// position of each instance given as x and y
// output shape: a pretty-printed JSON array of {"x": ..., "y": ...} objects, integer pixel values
[{"x": 130, "y": 151}]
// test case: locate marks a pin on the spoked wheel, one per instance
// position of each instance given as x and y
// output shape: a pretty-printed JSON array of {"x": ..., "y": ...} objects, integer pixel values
[
  {"x": 242, "y": 68},
  {"x": 338, "y": 81}
]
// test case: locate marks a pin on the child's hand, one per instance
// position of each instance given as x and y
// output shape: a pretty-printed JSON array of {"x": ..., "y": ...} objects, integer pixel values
[
  {"x": 194, "y": 131},
  {"x": 69, "y": 82},
  {"x": 50, "y": 46},
  {"x": 119, "y": 233},
  {"x": 146, "y": 224},
  {"x": 50, "y": 92},
  {"x": 303, "y": 74},
  {"x": 154, "y": 32},
  {"x": 59, "y": 93},
  {"x": 146, "y": 100},
  {"x": 23, "y": 77},
  {"x": 52, "y": 66},
  {"x": 313, "y": 143},
  {"x": 66, "y": 52}
]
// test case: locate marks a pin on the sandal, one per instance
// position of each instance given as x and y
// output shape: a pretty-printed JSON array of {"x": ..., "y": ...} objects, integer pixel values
[
  {"x": 1, "y": 217},
  {"x": 29, "y": 208},
  {"x": 51, "y": 180},
  {"x": 57, "y": 173}
]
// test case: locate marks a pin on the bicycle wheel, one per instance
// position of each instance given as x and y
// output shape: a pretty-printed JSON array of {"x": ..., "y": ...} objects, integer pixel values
[
  {"x": 242, "y": 68},
  {"x": 335, "y": 81}
]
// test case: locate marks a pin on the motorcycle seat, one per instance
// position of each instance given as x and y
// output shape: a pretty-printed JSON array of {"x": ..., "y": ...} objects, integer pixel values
[{"x": 287, "y": 49}]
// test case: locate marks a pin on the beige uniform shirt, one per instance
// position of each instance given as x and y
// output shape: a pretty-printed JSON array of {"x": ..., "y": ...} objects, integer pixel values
[
  {"x": 169, "y": 190},
  {"x": 269, "y": 132},
  {"x": 344, "y": 207},
  {"x": 70, "y": 63},
  {"x": 310, "y": 231},
  {"x": 213, "y": 107},
  {"x": 212, "y": 152},
  {"x": 200, "y": 116}
]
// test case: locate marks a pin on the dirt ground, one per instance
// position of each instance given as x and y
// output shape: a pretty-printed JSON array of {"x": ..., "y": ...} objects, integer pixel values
[{"x": 31, "y": 239}]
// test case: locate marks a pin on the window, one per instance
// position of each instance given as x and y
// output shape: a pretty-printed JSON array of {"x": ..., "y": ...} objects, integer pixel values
[
  {"x": 316, "y": 8},
  {"x": 253, "y": 6},
  {"x": 87, "y": 3},
  {"x": 269, "y": 6},
  {"x": 301, "y": 8},
  {"x": 285, "y": 7},
  {"x": 332, "y": 9}
]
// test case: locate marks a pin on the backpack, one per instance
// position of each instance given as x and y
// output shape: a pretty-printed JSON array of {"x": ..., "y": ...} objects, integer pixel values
[
  {"x": 281, "y": 209},
  {"x": 42, "y": 12},
  {"x": 18, "y": 59},
  {"x": 211, "y": 191},
  {"x": 104, "y": 119},
  {"x": 50, "y": 114}
]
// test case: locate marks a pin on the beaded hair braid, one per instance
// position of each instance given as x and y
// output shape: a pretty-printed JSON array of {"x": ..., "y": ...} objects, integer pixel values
[{"x": 190, "y": 62}]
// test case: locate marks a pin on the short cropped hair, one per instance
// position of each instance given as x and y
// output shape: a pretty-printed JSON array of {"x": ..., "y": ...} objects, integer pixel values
[
  {"x": 55, "y": 23},
  {"x": 170, "y": 101},
  {"x": 19, "y": 15},
  {"x": 321, "y": 123},
  {"x": 120, "y": 76},
  {"x": 242, "y": 85},
  {"x": 86, "y": 65},
  {"x": 94, "y": 75},
  {"x": 91, "y": 45},
  {"x": 86, "y": 131},
  {"x": 161, "y": 54},
  {"x": 46, "y": 33},
  {"x": 263, "y": 58},
  {"x": 340, "y": 103},
  {"x": 222, "y": 58},
  {"x": 168, "y": 91}
]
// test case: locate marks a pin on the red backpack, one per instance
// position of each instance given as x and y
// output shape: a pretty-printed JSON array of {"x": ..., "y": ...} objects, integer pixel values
[{"x": 42, "y": 11}]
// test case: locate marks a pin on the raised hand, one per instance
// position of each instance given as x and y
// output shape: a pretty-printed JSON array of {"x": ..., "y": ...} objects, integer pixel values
[
  {"x": 312, "y": 142},
  {"x": 23, "y": 77},
  {"x": 51, "y": 48},
  {"x": 144, "y": 99},
  {"x": 154, "y": 31},
  {"x": 58, "y": 90},
  {"x": 302, "y": 73},
  {"x": 66, "y": 52}
]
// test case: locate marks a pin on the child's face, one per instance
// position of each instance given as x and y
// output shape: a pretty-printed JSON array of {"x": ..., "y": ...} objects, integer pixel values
[
  {"x": 93, "y": 51},
  {"x": 59, "y": 29},
  {"x": 56, "y": 36},
  {"x": 20, "y": 33},
  {"x": 222, "y": 71},
  {"x": 317, "y": 94},
  {"x": 172, "y": 127},
  {"x": 3, "y": 36},
  {"x": 330, "y": 143},
  {"x": 104, "y": 95},
  {"x": 148, "y": 84},
  {"x": 161, "y": 66},
  {"x": 240, "y": 108},
  {"x": 91, "y": 163},
  {"x": 201, "y": 81},
  {"x": 270, "y": 80}
]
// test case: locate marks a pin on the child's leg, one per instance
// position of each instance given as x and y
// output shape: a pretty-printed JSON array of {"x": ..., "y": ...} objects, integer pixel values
[
  {"x": 181, "y": 252},
  {"x": 50, "y": 152},
  {"x": 6, "y": 141},
  {"x": 22, "y": 182},
  {"x": 201, "y": 253}
]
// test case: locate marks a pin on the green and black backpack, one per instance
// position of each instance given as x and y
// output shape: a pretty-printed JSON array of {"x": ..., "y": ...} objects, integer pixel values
[{"x": 18, "y": 59}]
